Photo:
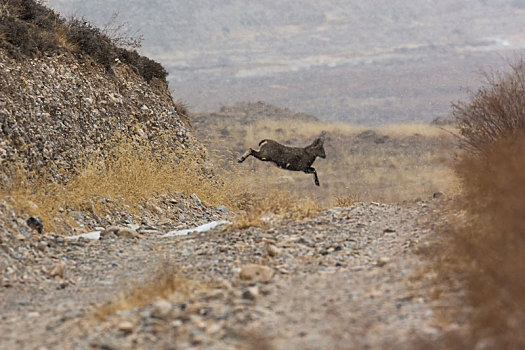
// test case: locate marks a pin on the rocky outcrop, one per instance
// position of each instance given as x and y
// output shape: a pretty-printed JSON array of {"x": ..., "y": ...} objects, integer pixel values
[{"x": 67, "y": 88}]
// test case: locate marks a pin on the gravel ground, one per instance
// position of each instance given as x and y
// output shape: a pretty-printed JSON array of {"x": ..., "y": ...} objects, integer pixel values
[{"x": 350, "y": 278}]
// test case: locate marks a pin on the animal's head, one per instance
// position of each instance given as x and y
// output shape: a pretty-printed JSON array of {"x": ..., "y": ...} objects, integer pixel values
[{"x": 318, "y": 146}]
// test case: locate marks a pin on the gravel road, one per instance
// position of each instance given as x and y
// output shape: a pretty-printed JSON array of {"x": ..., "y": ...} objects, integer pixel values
[{"x": 351, "y": 278}]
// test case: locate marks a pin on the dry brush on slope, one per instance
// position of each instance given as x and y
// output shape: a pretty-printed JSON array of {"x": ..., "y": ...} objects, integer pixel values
[{"x": 31, "y": 29}]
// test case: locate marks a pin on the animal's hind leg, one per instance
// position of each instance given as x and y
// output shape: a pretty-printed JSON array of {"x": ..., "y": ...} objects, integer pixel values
[
  {"x": 249, "y": 152},
  {"x": 311, "y": 170}
]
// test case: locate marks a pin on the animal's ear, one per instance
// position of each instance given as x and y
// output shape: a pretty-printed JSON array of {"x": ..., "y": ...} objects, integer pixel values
[
  {"x": 319, "y": 141},
  {"x": 322, "y": 136}
]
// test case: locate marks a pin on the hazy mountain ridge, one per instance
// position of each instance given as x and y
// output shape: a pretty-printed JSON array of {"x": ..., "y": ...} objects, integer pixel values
[{"x": 292, "y": 53}]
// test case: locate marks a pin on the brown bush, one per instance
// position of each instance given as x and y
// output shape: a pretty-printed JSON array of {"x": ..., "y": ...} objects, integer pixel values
[
  {"x": 489, "y": 246},
  {"x": 486, "y": 245},
  {"x": 495, "y": 111}
]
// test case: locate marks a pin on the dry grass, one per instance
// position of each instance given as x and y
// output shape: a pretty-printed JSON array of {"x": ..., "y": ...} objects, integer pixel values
[
  {"x": 125, "y": 177},
  {"x": 132, "y": 172},
  {"x": 167, "y": 283},
  {"x": 389, "y": 164},
  {"x": 277, "y": 204},
  {"x": 346, "y": 200}
]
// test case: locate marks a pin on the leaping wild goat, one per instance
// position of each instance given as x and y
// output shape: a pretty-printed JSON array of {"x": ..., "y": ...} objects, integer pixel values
[{"x": 289, "y": 158}]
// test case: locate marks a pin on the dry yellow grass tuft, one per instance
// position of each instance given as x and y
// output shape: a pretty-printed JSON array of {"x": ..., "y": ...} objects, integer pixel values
[
  {"x": 346, "y": 200},
  {"x": 276, "y": 204},
  {"x": 167, "y": 283}
]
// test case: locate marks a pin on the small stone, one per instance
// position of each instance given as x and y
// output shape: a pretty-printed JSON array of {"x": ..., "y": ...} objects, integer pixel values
[
  {"x": 42, "y": 246},
  {"x": 121, "y": 232},
  {"x": 196, "y": 199},
  {"x": 273, "y": 250},
  {"x": 251, "y": 293},
  {"x": 35, "y": 222},
  {"x": 176, "y": 323},
  {"x": 437, "y": 194},
  {"x": 125, "y": 232},
  {"x": 257, "y": 273},
  {"x": 382, "y": 261},
  {"x": 223, "y": 209},
  {"x": 161, "y": 309},
  {"x": 125, "y": 326},
  {"x": 59, "y": 270},
  {"x": 109, "y": 230},
  {"x": 214, "y": 328},
  {"x": 163, "y": 221},
  {"x": 33, "y": 314},
  {"x": 197, "y": 337}
]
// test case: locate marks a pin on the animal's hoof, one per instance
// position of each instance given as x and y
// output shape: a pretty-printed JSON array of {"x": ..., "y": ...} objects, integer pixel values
[
  {"x": 317, "y": 183},
  {"x": 240, "y": 160}
]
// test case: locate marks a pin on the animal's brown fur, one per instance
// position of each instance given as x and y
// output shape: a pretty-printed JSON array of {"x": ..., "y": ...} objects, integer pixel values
[{"x": 289, "y": 158}]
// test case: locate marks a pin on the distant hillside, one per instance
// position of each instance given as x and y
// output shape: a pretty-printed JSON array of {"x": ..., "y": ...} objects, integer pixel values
[
  {"x": 366, "y": 62},
  {"x": 248, "y": 113}
]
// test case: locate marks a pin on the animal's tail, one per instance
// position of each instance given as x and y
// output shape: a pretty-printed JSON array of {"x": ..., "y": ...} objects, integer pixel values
[{"x": 262, "y": 141}]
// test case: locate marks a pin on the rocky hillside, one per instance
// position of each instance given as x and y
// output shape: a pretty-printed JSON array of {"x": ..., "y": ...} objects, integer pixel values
[
  {"x": 248, "y": 113},
  {"x": 70, "y": 95},
  {"x": 66, "y": 90}
]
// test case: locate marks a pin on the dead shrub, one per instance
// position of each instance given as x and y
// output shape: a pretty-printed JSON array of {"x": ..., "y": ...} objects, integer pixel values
[
  {"x": 346, "y": 200},
  {"x": 488, "y": 247},
  {"x": 90, "y": 40},
  {"x": 495, "y": 111},
  {"x": 121, "y": 33},
  {"x": 486, "y": 240}
]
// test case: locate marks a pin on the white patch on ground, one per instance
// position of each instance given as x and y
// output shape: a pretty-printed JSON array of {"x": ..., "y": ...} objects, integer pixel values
[
  {"x": 90, "y": 235},
  {"x": 201, "y": 228}
]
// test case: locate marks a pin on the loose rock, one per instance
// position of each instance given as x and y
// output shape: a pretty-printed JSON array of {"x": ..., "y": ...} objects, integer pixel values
[{"x": 257, "y": 273}]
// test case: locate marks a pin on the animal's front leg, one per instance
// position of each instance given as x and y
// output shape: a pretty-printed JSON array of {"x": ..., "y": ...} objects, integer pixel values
[
  {"x": 311, "y": 170},
  {"x": 246, "y": 154}
]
